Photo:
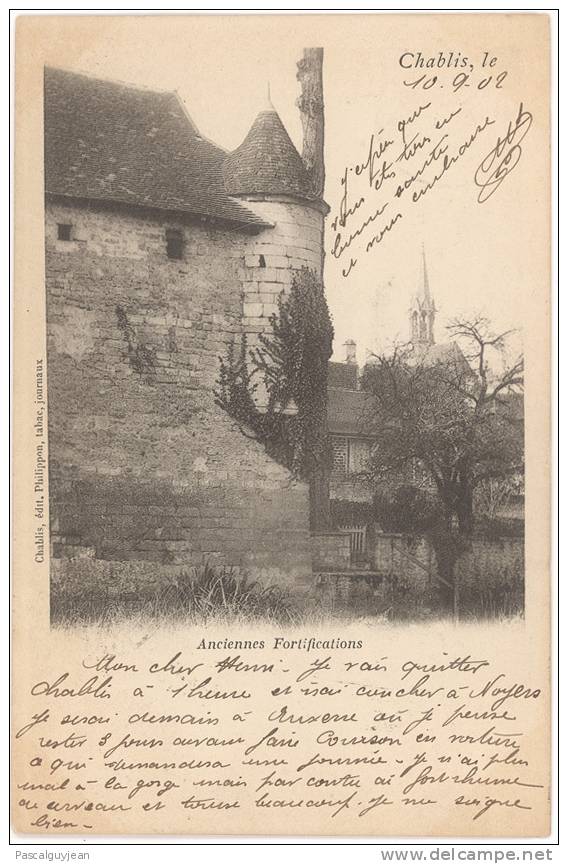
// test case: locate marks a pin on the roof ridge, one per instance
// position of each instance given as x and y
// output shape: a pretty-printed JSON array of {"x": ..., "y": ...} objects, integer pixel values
[
  {"x": 142, "y": 88},
  {"x": 193, "y": 124},
  {"x": 105, "y": 140}
]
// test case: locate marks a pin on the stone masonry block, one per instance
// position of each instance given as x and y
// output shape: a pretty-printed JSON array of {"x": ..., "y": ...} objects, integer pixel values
[
  {"x": 276, "y": 261},
  {"x": 252, "y": 310},
  {"x": 270, "y": 248}
]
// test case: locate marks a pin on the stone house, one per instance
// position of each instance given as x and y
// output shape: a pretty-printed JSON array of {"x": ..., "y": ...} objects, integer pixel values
[
  {"x": 351, "y": 491},
  {"x": 160, "y": 249},
  {"x": 349, "y": 405},
  {"x": 346, "y": 409}
]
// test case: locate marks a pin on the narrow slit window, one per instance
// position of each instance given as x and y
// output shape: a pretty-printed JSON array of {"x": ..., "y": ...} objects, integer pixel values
[
  {"x": 174, "y": 243},
  {"x": 63, "y": 232},
  {"x": 261, "y": 261}
]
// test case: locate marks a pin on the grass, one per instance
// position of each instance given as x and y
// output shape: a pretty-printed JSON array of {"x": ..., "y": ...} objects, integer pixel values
[
  {"x": 200, "y": 595},
  {"x": 207, "y": 596}
]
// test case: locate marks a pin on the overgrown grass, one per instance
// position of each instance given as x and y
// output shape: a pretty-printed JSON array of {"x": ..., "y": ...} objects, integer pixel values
[
  {"x": 209, "y": 595},
  {"x": 206, "y": 593},
  {"x": 199, "y": 596},
  {"x": 396, "y": 598}
]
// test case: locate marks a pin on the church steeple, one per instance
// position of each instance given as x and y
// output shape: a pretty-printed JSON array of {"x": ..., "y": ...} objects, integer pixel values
[{"x": 423, "y": 310}]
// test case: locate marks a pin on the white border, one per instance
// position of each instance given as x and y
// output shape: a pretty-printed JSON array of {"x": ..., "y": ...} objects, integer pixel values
[{"x": 334, "y": 853}]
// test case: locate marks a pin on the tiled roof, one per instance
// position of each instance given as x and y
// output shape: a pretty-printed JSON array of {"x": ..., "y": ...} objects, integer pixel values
[
  {"x": 346, "y": 411},
  {"x": 267, "y": 163},
  {"x": 342, "y": 375},
  {"x": 111, "y": 142}
]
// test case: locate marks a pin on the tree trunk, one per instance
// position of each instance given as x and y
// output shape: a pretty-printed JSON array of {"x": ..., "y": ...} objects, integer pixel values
[
  {"x": 447, "y": 498},
  {"x": 310, "y": 103},
  {"x": 320, "y": 511},
  {"x": 464, "y": 509}
]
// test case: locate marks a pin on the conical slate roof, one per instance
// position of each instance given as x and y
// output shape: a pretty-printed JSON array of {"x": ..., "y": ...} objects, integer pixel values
[{"x": 267, "y": 163}]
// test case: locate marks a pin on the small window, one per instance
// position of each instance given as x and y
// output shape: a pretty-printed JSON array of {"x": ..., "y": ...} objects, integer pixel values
[
  {"x": 63, "y": 232},
  {"x": 174, "y": 243},
  {"x": 261, "y": 261}
]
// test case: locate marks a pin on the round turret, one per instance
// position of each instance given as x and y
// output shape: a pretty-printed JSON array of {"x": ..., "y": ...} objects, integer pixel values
[
  {"x": 267, "y": 171},
  {"x": 267, "y": 163}
]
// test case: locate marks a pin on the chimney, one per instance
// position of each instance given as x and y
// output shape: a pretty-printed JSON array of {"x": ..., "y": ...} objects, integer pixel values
[
  {"x": 310, "y": 103},
  {"x": 350, "y": 352}
]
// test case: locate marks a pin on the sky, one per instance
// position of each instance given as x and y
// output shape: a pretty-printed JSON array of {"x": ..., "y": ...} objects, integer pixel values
[{"x": 482, "y": 257}]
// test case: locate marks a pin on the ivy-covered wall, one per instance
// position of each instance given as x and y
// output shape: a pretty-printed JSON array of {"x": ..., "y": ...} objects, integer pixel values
[{"x": 143, "y": 464}]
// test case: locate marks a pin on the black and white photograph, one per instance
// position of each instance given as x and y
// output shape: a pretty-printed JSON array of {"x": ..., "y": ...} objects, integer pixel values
[{"x": 217, "y": 448}]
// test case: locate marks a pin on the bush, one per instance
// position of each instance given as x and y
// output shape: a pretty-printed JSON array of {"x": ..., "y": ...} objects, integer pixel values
[
  {"x": 499, "y": 527},
  {"x": 407, "y": 510},
  {"x": 206, "y": 592},
  {"x": 351, "y": 513}
]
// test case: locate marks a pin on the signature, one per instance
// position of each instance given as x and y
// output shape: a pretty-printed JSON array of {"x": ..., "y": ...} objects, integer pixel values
[{"x": 504, "y": 157}]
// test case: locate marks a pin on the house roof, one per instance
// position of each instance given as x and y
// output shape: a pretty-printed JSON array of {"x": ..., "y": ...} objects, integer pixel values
[
  {"x": 343, "y": 375},
  {"x": 346, "y": 411},
  {"x": 110, "y": 142},
  {"x": 267, "y": 163}
]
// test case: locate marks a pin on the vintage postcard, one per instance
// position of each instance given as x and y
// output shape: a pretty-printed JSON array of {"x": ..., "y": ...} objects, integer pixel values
[{"x": 281, "y": 525}]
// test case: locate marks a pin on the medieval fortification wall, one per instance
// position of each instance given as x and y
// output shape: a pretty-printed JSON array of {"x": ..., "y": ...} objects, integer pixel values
[{"x": 143, "y": 465}]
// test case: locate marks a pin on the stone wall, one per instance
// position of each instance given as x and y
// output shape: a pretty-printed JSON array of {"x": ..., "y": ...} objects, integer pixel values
[
  {"x": 400, "y": 554},
  {"x": 143, "y": 464},
  {"x": 501, "y": 558},
  {"x": 483, "y": 560},
  {"x": 272, "y": 257},
  {"x": 404, "y": 584},
  {"x": 330, "y": 551}
]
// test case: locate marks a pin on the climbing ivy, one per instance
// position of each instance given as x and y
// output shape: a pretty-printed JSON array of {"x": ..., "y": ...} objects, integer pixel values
[
  {"x": 289, "y": 366},
  {"x": 141, "y": 358}
]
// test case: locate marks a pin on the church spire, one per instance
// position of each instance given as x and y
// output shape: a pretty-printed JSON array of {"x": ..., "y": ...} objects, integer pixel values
[
  {"x": 423, "y": 310},
  {"x": 425, "y": 283}
]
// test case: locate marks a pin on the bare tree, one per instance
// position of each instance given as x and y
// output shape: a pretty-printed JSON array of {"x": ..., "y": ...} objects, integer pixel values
[
  {"x": 479, "y": 340},
  {"x": 494, "y": 494},
  {"x": 455, "y": 417}
]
